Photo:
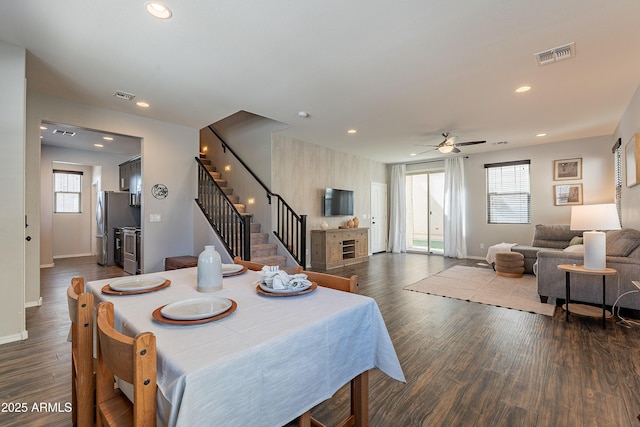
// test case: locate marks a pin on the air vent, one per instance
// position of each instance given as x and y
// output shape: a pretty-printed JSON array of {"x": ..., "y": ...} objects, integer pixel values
[
  {"x": 556, "y": 54},
  {"x": 124, "y": 95},
  {"x": 64, "y": 132}
]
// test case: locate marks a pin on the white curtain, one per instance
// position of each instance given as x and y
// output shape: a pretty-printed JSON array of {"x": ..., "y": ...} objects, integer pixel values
[
  {"x": 398, "y": 216},
  {"x": 454, "y": 208}
]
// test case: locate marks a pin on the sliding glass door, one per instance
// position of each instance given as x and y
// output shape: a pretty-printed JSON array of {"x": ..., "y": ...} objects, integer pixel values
[{"x": 425, "y": 219}]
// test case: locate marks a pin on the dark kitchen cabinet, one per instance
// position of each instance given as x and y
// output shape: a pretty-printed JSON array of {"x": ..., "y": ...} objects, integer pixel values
[
  {"x": 131, "y": 180},
  {"x": 125, "y": 176}
]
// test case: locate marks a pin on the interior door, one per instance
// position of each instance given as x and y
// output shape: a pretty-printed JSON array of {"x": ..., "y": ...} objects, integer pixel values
[{"x": 378, "y": 217}]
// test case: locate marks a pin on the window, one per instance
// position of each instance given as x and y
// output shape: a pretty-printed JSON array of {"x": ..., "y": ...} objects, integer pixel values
[
  {"x": 67, "y": 191},
  {"x": 508, "y": 193}
]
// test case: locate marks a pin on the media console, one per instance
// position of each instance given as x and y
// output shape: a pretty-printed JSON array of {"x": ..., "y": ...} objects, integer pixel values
[{"x": 335, "y": 248}]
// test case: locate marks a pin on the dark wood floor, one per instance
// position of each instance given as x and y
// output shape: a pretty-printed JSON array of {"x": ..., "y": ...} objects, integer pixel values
[
  {"x": 38, "y": 370},
  {"x": 465, "y": 363}
]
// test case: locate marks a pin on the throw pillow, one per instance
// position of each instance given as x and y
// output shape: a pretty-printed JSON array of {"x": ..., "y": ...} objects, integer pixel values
[
  {"x": 622, "y": 242},
  {"x": 576, "y": 241},
  {"x": 575, "y": 248}
]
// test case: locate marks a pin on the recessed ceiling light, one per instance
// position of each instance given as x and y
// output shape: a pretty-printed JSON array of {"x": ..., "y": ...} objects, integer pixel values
[
  {"x": 142, "y": 104},
  {"x": 541, "y": 134},
  {"x": 98, "y": 145},
  {"x": 107, "y": 138},
  {"x": 303, "y": 114},
  {"x": 522, "y": 89},
  {"x": 158, "y": 9},
  {"x": 352, "y": 131},
  {"x": 413, "y": 154}
]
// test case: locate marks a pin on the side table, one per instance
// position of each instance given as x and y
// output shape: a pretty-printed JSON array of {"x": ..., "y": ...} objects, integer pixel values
[{"x": 581, "y": 309}]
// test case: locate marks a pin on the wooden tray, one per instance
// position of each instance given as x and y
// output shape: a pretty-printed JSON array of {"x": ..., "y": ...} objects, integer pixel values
[
  {"x": 235, "y": 273},
  {"x": 157, "y": 316},
  {"x": 311, "y": 288},
  {"x": 106, "y": 289}
]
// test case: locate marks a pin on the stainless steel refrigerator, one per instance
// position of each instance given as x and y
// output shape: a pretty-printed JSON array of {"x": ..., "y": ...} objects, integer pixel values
[{"x": 112, "y": 210}]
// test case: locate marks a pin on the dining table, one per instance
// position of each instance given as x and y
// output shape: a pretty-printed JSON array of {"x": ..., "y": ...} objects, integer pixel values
[{"x": 265, "y": 362}]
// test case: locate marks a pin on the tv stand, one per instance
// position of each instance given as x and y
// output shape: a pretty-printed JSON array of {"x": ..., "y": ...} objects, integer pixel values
[{"x": 335, "y": 248}]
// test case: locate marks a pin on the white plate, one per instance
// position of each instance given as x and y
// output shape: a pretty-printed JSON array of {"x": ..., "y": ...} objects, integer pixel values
[
  {"x": 231, "y": 268},
  {"x": 136, "y": 283},
  {"x": 196, "y": 308},
  {"x": 283, "y": 291}
]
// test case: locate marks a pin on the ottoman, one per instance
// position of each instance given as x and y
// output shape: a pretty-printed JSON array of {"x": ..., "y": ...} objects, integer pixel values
[
  {"x": 176, "y": 262},
  {"x": 509, "y": 264}
]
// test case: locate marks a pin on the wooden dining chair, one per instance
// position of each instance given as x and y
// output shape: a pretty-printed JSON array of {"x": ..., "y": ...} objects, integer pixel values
[
  {"x": 255, "y": 266},
  {"x": 331, "y": 281},
  {"x": 359, "y": 409},
  {"x": 132, "y": 360},
  {"x": 83, "y": 380}
]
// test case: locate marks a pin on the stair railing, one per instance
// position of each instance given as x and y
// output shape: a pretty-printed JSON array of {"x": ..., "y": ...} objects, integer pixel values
[
  {"x": 291, "y": 228},
  {"x": 233, "y": 228}
]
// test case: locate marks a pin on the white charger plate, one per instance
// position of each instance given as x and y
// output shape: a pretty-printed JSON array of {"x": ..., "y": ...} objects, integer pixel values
[
  {"x": 136, "y": 283},
  {"x": 196, "y": 308},
  {"x": 231, "y": 268},
  {"x": 266, "y": 288}
]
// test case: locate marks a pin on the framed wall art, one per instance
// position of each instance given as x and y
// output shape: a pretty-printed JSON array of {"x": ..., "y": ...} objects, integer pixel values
[
  {"x": 567, "y": 169},
  {"x": 631, "y": 156},
  {"x": 567, "y": 194}
]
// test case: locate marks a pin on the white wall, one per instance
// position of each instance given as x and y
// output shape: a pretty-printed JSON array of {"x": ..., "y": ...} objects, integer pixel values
[
  {"x": 168, "y": 152},
  {"x": 302, "y": 171},
  {"x": 242, "y": 183},
  {"x": 597, "y": 180},
  {"x": 630, "y": 125},
  {"x": 72, "y": 232},
  {"x": 12, "y": 188},
  {"x": 101, "y": 170},
  {"x": 249, "y": 136}
]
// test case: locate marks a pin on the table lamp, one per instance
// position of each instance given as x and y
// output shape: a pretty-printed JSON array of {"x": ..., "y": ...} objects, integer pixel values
[{"x": 595, "y": 217}]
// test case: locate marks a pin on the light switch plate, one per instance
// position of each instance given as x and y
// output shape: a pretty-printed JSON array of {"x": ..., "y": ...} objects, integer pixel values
[{"x": 155, "y": 218}]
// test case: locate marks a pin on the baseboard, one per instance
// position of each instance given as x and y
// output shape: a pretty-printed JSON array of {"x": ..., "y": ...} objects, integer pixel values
[
  {"x": 47, "y": 265},
  {"x": 37, "y": 303},
  {"x": 15, "y": 337},
  {"x": 72, "y": 256}
]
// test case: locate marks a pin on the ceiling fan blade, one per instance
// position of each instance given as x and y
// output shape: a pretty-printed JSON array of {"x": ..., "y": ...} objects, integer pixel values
[
  {"x": 461, "y": 144},
  {"x": 455, "y": 150}
]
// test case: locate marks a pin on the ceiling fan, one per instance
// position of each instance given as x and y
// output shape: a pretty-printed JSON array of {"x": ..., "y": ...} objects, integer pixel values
[{"x": 450, "y": 144}]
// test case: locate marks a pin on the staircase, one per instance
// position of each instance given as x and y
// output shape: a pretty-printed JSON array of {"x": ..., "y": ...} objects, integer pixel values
[{"x": 262, "y": 251}]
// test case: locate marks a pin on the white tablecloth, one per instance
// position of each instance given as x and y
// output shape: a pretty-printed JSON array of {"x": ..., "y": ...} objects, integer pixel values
[{"x": 265, "y": 364}]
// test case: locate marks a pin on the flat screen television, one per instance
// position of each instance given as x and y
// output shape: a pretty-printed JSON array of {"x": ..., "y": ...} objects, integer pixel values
[{"x": 338, "y": 202}]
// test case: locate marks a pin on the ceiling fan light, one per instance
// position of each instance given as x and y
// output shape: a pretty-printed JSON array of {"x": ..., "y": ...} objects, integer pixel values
[{"x": 445, "y": 149}]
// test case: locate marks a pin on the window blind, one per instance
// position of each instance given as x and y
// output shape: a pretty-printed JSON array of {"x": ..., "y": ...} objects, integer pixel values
[
  {"x": 508, "y": 192},
  {"x": 617, "y": 153}
]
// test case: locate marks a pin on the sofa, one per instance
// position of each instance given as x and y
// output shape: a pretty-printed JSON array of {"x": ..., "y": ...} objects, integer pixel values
[
  {"x": 547, "y": 237},
  {"x": 623, "y": 254}
]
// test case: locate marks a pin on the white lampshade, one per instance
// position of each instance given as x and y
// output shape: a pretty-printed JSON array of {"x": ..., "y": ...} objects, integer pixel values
[{"x": 595, "y": 217}]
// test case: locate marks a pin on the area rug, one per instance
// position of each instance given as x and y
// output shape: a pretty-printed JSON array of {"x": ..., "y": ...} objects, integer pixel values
[{"x": 482, "y": 285}]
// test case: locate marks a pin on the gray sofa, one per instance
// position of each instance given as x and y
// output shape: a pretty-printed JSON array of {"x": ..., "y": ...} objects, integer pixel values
[
  {"x": 623, "y": 254},
  {"x": 545, "y": 237}
]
